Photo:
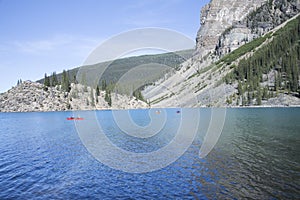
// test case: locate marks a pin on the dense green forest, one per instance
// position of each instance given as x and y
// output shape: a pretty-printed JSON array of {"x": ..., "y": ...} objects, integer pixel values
[{"x": 281, "y": 56}]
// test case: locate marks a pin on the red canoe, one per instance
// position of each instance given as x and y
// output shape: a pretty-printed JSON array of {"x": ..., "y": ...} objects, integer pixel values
[{"x": 74, "y": 118}]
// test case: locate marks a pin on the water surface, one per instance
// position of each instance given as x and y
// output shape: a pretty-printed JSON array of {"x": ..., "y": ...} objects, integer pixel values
[{"x": 257, "y": 156}]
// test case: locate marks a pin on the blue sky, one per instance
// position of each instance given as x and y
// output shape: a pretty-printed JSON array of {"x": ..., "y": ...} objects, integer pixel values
[{"x": 42, "y": 36}]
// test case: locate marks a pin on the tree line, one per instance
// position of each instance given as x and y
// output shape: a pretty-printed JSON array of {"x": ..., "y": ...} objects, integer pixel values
[
  {"x": 65, "y": 82},
  {"x": 52, "y": 81}
]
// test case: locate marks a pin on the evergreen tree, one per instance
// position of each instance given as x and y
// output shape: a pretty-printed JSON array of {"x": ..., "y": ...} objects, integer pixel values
[
  {"x": 97, "y": 91},
  {"x": 238, "y": 101},
  {"x": 103, "y": 85},
  {"x": 265, "y": 95},
  {"x": 54, "y": 80},
  {"x": 258, "y": 97},
  {"x": 243, "y": 100},
  {"x": 97, "y": 94},
  {"x": 92, "y": 97},
  {"x": 107, "y": 97},
  {"x": 240, "y": 88},
  {"x": 249, "y": 98},
  {"x": 65, "y": 84},
  {"x": 75, "y": 79},
  {"x": 46, "y": 81}
]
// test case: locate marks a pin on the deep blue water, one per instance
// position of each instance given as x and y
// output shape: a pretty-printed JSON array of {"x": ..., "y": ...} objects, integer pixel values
[{"x": 257, "y": 156}]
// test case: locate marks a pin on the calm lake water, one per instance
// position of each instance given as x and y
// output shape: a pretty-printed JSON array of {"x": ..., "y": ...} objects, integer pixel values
[{"x": 257, "y": 156}]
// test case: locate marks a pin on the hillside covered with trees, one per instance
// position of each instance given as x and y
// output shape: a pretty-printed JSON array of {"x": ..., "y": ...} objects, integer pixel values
[{"x": 272, "y": 69}]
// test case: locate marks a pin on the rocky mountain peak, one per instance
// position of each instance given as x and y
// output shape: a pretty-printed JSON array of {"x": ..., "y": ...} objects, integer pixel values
[
  {"x": 219, "y": 15},
  {"x": 257, "y": 23}
]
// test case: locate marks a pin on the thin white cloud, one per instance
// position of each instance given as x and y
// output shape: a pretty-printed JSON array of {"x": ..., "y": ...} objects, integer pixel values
[
  {"x": 57, "y": 43},
  {"x": 38, "y": 46},
  {"x": 35, "y": 57}
]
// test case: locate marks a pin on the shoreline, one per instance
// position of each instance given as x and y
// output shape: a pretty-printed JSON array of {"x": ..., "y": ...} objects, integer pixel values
[{"x": 225, "y": 107}]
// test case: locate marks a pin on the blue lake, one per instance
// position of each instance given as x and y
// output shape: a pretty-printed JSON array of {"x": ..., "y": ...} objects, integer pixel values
[{"x": 256, "y": 156}]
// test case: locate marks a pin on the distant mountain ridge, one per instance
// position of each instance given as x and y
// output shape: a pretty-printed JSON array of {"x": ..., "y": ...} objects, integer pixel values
[{"x": 119, "y": 67}]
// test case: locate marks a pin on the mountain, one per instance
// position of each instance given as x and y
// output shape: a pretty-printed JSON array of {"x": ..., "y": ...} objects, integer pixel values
[
  {"x": 59, "y": 92},
  {"x": 247, "y": 54},
  {"x": 117, "y": 68}
]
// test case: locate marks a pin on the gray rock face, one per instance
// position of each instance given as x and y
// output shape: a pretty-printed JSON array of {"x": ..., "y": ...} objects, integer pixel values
[
  {"x": 219, "y": 15},
  {"x": 32, "y": 97},
  {"x": 260, "y": 21}
]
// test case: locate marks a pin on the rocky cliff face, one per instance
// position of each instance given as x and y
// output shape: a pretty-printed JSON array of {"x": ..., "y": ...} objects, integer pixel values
[
  {"x": 219, "y": 15},
  {"x": 265, "y": 18},
  {"x": 33, "y": 97}
]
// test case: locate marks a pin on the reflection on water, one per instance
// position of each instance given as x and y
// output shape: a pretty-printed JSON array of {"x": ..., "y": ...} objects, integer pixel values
[{"x": 257, "y": 156}]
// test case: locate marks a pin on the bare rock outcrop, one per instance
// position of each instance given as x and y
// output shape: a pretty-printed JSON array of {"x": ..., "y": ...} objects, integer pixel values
[
  {"x": 265, "y": 18},
  {"x": 34, "y": 97},
  {"x": 216, "y": 17},
  {"x": 30, "y": 97}
]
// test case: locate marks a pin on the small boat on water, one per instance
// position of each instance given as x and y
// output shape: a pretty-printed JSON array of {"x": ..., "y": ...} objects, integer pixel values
[{"x": 74, "y": 118}]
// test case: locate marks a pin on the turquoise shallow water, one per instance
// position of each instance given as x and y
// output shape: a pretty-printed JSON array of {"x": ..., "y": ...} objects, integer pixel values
[{"x": 257, "y": 156}]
